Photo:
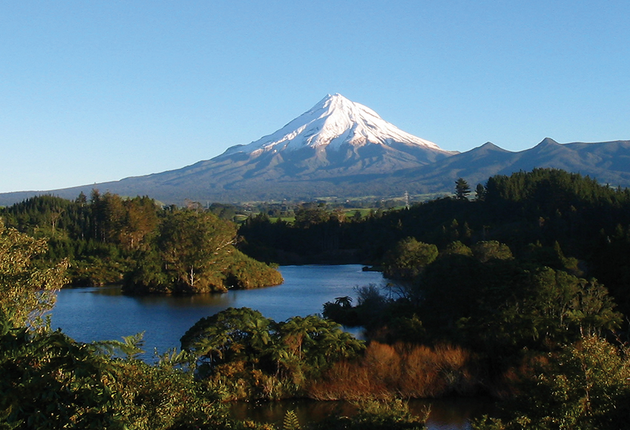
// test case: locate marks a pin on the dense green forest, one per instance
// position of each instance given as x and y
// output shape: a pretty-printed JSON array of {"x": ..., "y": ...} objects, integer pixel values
[
  {"x": 110, "y": 239},
  {"x": 519, "y": 290},
  {"x": 529, "y": 278},
  {"x": 543, "y": 215}
]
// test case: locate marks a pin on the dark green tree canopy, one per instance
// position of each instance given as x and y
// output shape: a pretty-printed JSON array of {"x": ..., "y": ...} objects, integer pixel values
[
  {"x": 195, "y": 252},
  {"x": 407, "y": 258},
  {"x": 295, "y": 348},
  {"x": 462, "y": 189}
]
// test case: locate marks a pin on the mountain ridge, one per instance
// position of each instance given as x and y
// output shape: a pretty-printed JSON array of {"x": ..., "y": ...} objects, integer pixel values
[{"x": 344, "y": 149}]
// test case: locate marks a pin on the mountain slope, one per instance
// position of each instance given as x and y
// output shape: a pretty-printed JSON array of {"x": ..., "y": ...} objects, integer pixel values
[
  {"x": 337, "y": 141},
  {"x": 344, "y": 149},
  {"x": 336, "y": 137},
  {"x": 608, "y": 162}
]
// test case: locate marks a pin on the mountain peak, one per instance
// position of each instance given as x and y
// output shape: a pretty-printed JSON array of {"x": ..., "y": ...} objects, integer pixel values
[
  {"x": 335, "y": 101},
  {"x": 335, "y": 122},
  {"x": 489, "y": 146},
  {"x": 548, "y": 141},
  {"x": 336, "y": 96}
]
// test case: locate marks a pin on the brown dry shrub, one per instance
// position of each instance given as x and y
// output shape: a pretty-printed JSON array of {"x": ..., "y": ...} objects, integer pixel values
[
  {"x": 413, "y": 371},
  {"x": 421, "y": 372},
  {"x": 456, "y": 369},
  {"x": 383, "y": 364},
  {"x": 344, "y": 380}
]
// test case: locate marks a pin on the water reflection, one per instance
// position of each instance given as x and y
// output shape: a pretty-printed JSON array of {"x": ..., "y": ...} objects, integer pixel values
[
  {"x": 88, "y": 314},
  {"x": 445, "y": 414}
]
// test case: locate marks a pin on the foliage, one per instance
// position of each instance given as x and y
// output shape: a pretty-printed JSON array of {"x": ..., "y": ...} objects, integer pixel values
[
  {"x": 290, "y": 421},
  {"x": 307, "y": 216},
  {"x": 487, "y": 300},
  {"x": 522, "y": 267},
  {"x": 230, "y": 335},
  {"x": 26, "y": 290},
  {"x": 190, "y": 249},
  {"x": 406, "y": 260},
  {"x": 239, "y": 349},
  {"x": 462, "y": 189},
  {"x": 191, "y": 244},
  {"x": 244, "y": 272},
  {"x": 457, "y": 248},
  {"x": 194, "y": 252},
  {"x": 504, "y": 302},
  {"x": 402, "y": 369},
  {"x": 161, "y": 396},
  {"x": 50, "y": 381},
  {"x": 342, "y": 312},
  {"x": 111, "y": 239},
  {"x": 544, "y": 205},
  {"x": 485, "y": 251},
  {"x": 376, "y": 415},
  {"x": 125, "y": 222},
  {"x": 480, "y": 192},
  {"x": 582, "y": 386}
]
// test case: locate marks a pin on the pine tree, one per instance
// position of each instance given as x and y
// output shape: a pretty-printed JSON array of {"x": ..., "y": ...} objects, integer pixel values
[{"x": 462, "y": 189}]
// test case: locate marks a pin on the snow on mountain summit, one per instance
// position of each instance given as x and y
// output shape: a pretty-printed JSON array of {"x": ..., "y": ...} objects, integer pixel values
[{"x": 331, "y": 123}]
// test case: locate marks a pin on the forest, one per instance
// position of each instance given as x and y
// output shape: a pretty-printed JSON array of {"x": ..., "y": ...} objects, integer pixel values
[
  {"x": 110, "y": 239},
  {"x": 517, "y": 290}
]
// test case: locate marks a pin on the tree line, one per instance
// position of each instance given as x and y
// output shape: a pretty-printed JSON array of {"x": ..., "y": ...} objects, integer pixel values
[
  {"x": 530, "y": 277},
  {"x": 545, "y": 207},
  {"x": 133, "y": 241}
]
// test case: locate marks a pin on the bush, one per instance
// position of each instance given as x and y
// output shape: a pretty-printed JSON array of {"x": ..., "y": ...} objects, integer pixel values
[{"x": 583, "y": 386}]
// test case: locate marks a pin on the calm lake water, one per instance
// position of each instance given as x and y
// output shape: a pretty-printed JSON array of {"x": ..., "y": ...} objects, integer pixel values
[
  {"x": 104, "y": 313},
  {"x": 89, "y": 314}
]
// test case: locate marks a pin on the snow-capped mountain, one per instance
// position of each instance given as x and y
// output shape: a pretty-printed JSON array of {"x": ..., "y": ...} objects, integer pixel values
[
  {"x": 336, "y": 147},
  {"x": 335, "y": 141},
  {"x": 344, "y": 149},
  {"x": 331, "y": 124}
]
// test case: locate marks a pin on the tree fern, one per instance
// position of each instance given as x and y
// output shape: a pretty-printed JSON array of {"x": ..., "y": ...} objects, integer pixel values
[{"x": 290, "y": 421}]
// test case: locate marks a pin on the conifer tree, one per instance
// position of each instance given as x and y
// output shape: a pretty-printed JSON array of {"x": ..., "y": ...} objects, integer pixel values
[{"x": 462, "y": 189}]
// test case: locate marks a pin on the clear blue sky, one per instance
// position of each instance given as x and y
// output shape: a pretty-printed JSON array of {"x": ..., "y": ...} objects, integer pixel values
[{"x": 92, "y": 91}]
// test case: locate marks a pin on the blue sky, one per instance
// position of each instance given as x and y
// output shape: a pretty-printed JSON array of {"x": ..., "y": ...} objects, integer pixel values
[{"x": 92, "y": 91}]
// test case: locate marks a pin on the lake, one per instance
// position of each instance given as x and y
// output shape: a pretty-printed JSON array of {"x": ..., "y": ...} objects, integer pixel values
[{"x": 104, "y": 313}]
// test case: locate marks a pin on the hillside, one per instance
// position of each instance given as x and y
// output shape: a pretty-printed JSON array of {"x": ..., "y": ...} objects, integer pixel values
[{"x": 343, "y": 149}]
